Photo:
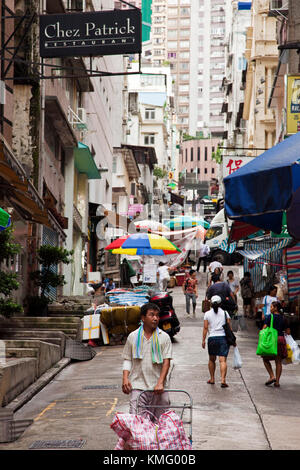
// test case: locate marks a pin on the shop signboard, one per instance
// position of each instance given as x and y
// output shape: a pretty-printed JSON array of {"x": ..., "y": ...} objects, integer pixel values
[
  {"x": 233, "y": 163},
  {"x": 95, "y": 33},
  {"x": 293, "y": 104}
]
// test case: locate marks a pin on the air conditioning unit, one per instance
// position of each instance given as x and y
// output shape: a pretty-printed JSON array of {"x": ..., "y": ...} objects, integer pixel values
[{"x": 81, "y": 114}]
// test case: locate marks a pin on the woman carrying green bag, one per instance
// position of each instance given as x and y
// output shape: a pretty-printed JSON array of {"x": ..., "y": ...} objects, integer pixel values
[{"x": 281, "y": 325}]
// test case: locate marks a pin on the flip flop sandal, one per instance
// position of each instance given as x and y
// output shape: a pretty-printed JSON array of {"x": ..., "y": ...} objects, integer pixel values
[
  {"x": 276, "y": 385},
  {"x": 210, "y": 382},
  {"x": 270, "y": 382},
  {"x": 224, "y": 385}
]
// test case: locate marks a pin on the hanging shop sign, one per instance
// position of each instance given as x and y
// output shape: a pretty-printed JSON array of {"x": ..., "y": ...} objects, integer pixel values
[
  {"x": 90, "y": 33},
  {"x": 293, "y": 104}
]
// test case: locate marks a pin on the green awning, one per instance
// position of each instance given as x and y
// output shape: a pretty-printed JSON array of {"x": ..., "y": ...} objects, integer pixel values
[{"x": 85, "y": 163}]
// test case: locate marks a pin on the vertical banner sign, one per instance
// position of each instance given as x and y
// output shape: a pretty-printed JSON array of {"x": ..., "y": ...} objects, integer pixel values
[
  {"x": 293, "y": 104},
  {"x": 91, "y": 33}
]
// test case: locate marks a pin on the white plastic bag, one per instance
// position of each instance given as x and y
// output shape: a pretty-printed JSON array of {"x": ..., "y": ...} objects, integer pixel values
[
  {"x": 295, "y": 349},
  {"x": 237, "y": 360}
]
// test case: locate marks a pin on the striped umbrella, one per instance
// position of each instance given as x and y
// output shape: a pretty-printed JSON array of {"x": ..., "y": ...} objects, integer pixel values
[
  {"x": 142, "y": 244},
  {"x": 186, "y": 221}
]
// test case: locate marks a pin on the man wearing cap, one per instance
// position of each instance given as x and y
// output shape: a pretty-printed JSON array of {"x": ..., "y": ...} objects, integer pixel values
[{"x": 217, "y": 344}]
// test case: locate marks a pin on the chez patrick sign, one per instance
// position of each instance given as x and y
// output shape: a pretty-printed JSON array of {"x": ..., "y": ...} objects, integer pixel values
[{"x": 90, "y": 34}]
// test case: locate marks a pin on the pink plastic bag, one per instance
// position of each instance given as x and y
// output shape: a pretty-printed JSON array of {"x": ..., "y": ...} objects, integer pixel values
[{"x": 139, "y": 433}]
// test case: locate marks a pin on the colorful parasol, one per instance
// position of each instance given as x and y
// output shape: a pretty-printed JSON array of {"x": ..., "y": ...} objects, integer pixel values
[
  {"x": 5, "y": 219},
  {"x": 142, "y": 244}
]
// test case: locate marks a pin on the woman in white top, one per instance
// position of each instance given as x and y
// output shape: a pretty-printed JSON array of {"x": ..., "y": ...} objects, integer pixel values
[
  {"x": 267, "y": 301},
  {"x": 217, "y": 344}
]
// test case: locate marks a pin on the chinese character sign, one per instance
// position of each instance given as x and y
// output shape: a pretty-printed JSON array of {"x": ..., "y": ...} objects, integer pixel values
[
  {"x": 293, "y": 104},
  {"x": 233, "y": 163}
]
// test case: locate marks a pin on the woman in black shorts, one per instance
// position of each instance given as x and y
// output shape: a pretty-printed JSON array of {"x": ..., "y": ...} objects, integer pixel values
[{"x": 281, "y": 325}]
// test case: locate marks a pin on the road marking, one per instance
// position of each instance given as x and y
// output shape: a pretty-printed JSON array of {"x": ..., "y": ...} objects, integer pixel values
[
  {"x": 113, "y": 407},
  {"x": 49, "y": 407}
]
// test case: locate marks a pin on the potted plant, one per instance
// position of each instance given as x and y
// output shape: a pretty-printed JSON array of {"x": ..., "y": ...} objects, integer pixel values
[{"x": 46, "y": 278}]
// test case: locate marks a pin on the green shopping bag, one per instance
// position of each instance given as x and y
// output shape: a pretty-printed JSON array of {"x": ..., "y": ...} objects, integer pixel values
[{"x": 267, "y": 341}]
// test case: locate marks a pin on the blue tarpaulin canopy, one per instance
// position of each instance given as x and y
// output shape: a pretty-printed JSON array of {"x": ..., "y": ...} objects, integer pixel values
[{"x": 259, "y": 192}]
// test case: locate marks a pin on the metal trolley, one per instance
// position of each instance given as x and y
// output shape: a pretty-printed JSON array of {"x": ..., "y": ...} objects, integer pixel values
[{"x": 188, "y": 405}]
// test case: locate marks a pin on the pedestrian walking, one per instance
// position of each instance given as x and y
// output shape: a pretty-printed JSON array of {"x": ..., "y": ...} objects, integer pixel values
[
  {"x": 190, "y": 289},
  {"x": 147, "y": 355},
  {"x": 204, "y": 252},
  {"x": 217, "y": 345},
  {"x": 247, "y": 293},
  {"x": 223, "y": 290},
  {"x": 267, "y": 301},
  {"x": 233, "y": 284},
  {"x": 163, "y": 274},
  {"x": 281, "y": 325}
]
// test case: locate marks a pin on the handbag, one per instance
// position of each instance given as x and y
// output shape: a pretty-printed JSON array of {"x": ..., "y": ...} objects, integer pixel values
[
  {"x": 230, "y": 336},
  {"x": 205, "y": 305},
  {"x": 268, "y": 341}
]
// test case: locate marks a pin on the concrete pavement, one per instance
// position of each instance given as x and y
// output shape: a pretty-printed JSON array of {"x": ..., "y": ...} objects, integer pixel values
[{"x": 80, "y": 401}]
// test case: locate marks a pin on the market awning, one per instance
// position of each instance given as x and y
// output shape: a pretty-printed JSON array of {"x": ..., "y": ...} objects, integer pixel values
[
  {"x": 85, "y": 163},
  {"x": 259, "y": 192},
  {"x": 240, "y": 230},
  {"x": 258, "y": 253}
]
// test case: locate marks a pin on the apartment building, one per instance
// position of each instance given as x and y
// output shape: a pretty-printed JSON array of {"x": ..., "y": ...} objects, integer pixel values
[
  {"x": 262, "y": 58},
  {"x": 189, "y": 34},
  {"x": 238, "y": 19},
  {"x": 196, "y": 157}
]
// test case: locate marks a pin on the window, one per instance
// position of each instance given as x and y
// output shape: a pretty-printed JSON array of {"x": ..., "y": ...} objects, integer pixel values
[
  {"x": 184, "y": 11},
  {"x": 186, "y": 155},
  {"x": 183, "y": 88},
  {"x": 149, "y": 113},
  {"x": 149, "y": 139},
  {"x": 205, "y": 170},
  {"x": 184, "y": 21},
  {"x": 192, "y": 154},
  {"x": 184, "y": 76},
  {"x": 172, "y": 33},
  {"x": 184, "y": 55},
  {"x": 114, "y": 165},
  {"x": 184, "y": 65},
  {"x": 205, "y": 155},
  {"x": 172, "y": 44},
  {"x": 198, "y": 153},
  {"x": 184, "y": 43},
  {"x": 184, "y": 32},
  {"x": 171, "y": 55}
]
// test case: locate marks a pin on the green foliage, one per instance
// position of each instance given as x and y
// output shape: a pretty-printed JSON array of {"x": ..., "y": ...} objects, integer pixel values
[
  {"x": 49, "y": 257},
  {"x": 8, "y": 307},
  {"x": 159, "y": 172},
  {"x": 8, "y": 248},
  {"x": 8, "y": 281},
  {"x": 217, "y": 155}
]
